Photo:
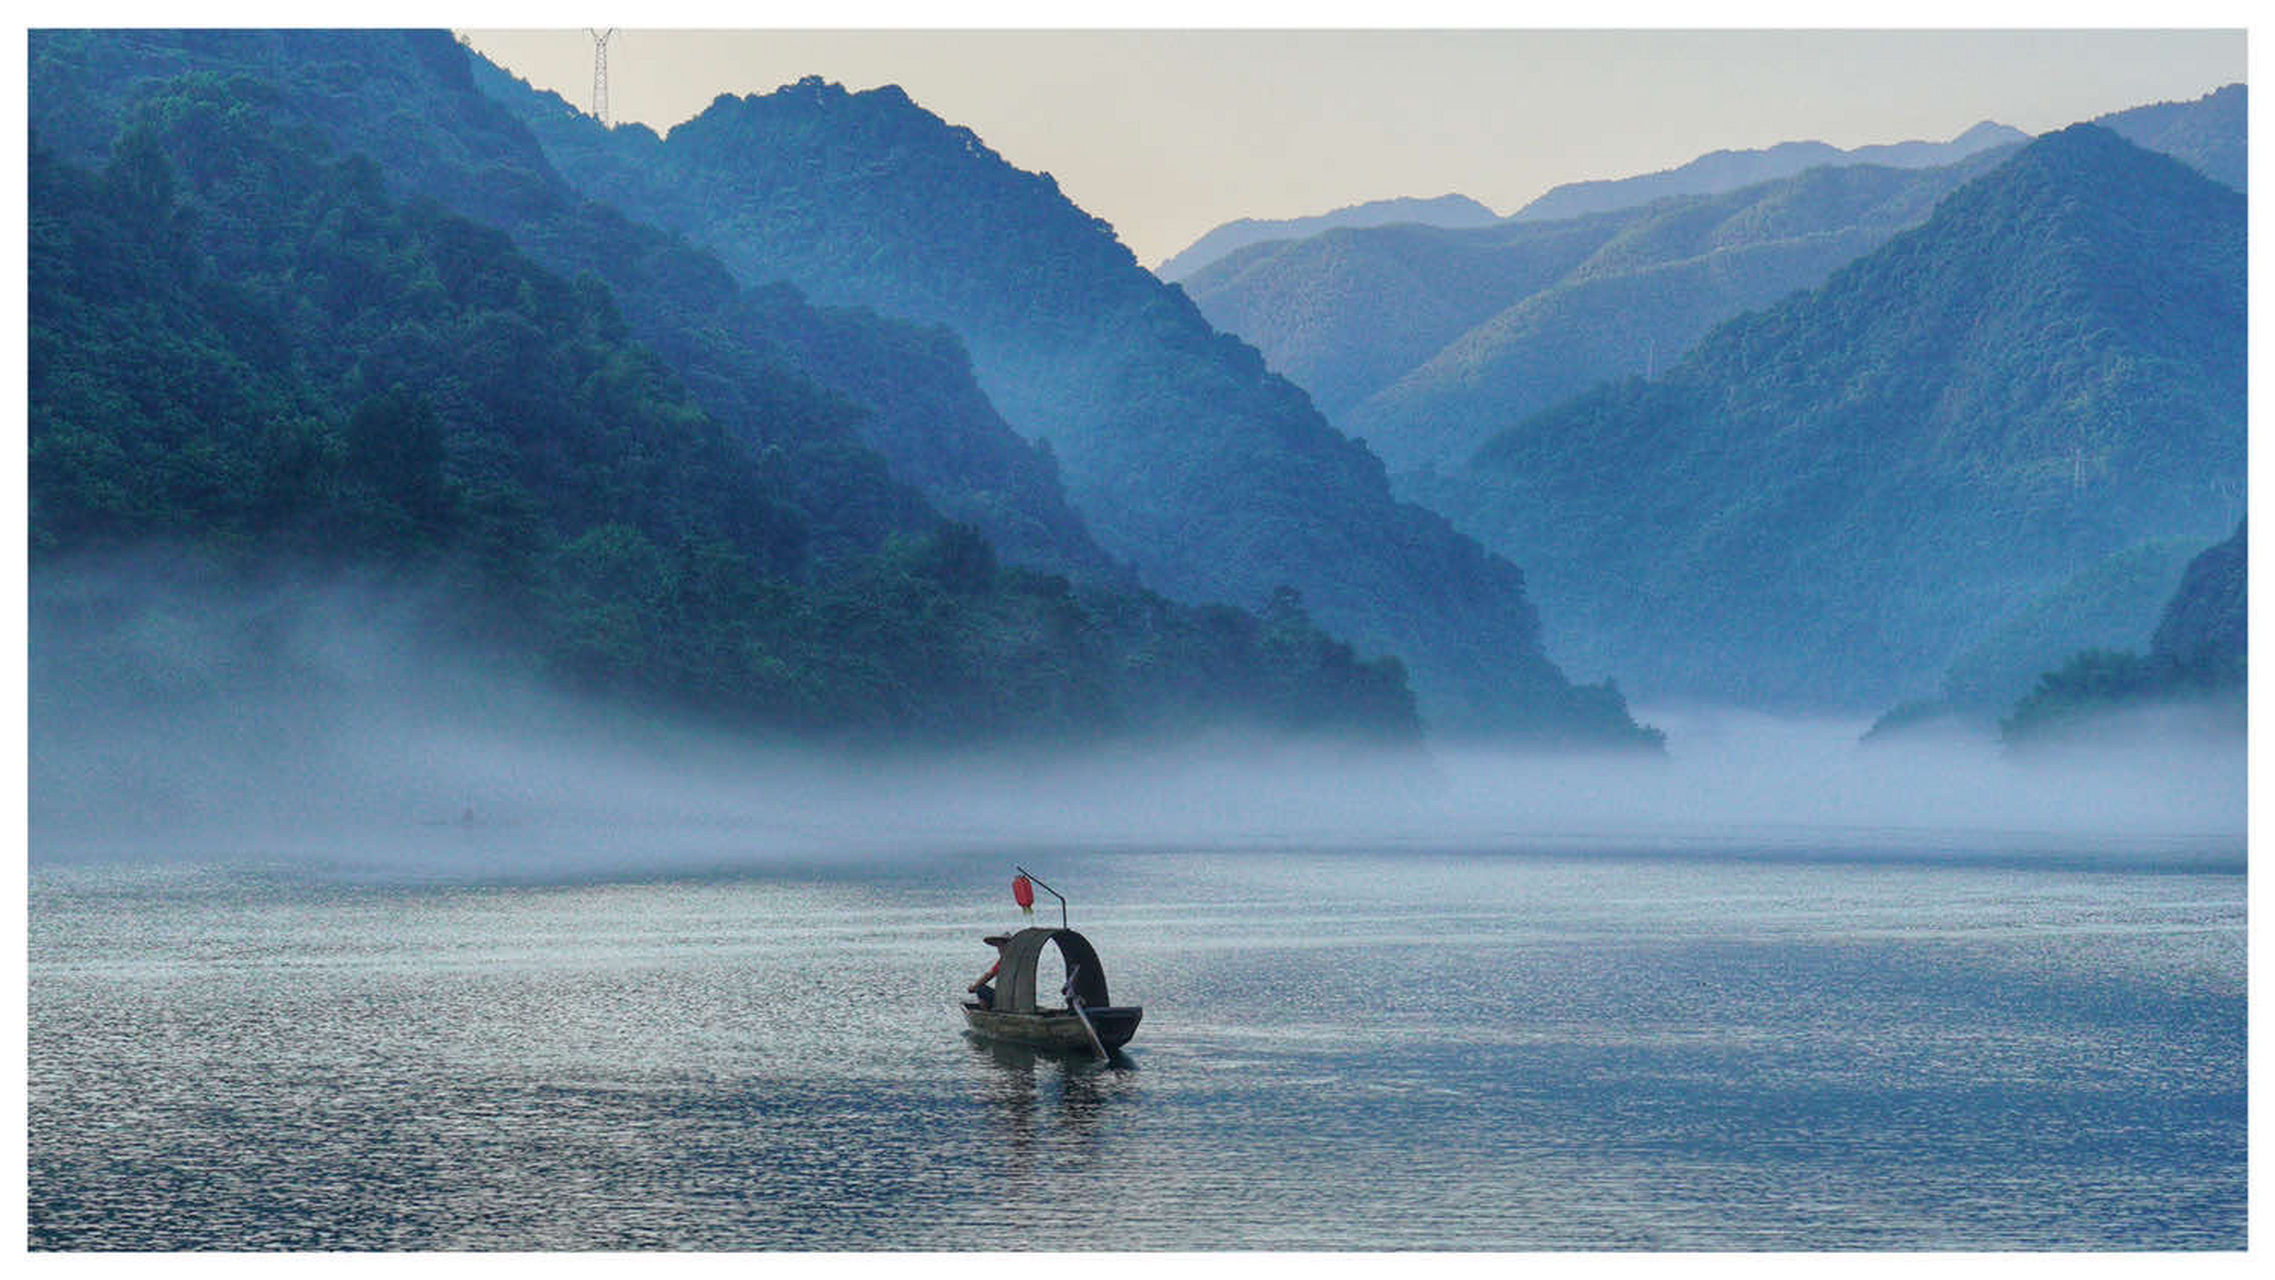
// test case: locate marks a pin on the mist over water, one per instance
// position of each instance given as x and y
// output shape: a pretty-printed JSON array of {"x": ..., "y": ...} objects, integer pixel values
[{"x": 329, "y": 725}]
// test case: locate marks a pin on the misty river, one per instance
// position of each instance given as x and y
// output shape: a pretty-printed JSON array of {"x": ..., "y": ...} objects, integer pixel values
[{"x": 1834, "y": 1042}]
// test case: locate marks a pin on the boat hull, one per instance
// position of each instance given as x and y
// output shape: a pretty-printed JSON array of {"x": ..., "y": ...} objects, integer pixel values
[{"x": 1057, "y": 1028}]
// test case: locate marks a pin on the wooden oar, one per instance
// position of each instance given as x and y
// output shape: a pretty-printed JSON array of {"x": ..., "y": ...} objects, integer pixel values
[
  {"x": 1095, "y": 1042},
  {"x": 1074, "y": 1002}
]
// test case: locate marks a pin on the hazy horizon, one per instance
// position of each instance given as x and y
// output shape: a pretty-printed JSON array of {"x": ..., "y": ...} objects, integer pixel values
[{"x": 1167, "y": 134}]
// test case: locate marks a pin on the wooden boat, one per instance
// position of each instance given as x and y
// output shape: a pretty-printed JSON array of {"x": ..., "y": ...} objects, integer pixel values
[{"x": 1089, "y": 1020}]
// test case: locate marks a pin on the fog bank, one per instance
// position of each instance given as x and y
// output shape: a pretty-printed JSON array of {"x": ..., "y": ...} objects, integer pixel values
[{"x": 326, "y": 727}]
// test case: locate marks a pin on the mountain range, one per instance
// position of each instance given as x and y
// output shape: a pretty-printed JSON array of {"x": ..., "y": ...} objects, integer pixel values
[
  {"x": 833, "y": 594},
  {"x": 1214, "y": 478},
  {"x": 1720, "y": 171},
  {"x": 2111, "y": 604},
  {"x": 406, "y": 99},
  {"x": 1826, "y": 501},
  {"x": 1425, "y": 342},
  {"x": 1709, "y": 174},
  {"x": 1443, "y": 211},
  {"x": 817, "y": 413},
  {"x": 265, "y": 349}
]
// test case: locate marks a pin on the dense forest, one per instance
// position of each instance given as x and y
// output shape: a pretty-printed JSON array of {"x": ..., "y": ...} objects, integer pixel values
[
  {"x": 251, "y": 356},
  {"x": 1828, "y": 501},
  {"x": 1184, "y": 455},
  {"x": 407, "y": 99}
]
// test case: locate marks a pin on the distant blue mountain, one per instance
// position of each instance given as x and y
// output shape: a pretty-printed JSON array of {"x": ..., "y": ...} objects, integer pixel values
[
  {"x": 1720, "y": 171},
  {"x": 1444, "y": 211},
  {"x": 1828, "y": 501},
  {"x": 1425, "y": 342},
  {"x": 2211, "y": 134}
]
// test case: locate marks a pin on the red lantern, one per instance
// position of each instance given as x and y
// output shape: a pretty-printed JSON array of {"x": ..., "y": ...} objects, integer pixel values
[{"x": 1023, "y": 893}]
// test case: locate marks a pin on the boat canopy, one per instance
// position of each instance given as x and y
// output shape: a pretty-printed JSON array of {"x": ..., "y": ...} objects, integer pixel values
[{"x": 1015, "y": 982}]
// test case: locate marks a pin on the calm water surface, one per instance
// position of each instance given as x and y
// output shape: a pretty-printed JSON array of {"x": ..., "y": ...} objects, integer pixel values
[{"x": 1340, "y": 1050}]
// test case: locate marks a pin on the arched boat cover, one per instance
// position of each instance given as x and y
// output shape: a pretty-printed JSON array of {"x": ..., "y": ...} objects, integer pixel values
[{"x": 1015, "y": 983}]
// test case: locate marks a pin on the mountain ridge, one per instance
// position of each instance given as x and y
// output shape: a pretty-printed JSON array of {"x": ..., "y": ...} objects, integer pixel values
[
  {"x": 1424, "y": 342},
  {"x": 360, "y": 379},
  {"x": 1450, "y": 210},
  {"x": 1184, "y": 454},
  {"x": 1791, "y": 510},
  {"x": 740, "y": 349},
  {"x": 2210, "y": 133},
  {"x": 1729, "y": 169}
]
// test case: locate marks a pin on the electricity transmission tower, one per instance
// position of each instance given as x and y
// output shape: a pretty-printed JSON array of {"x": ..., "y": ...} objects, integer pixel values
[{"x": 600, "y": 72}]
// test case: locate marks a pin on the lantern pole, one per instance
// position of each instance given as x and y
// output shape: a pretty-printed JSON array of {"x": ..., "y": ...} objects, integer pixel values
[{"x": 1047, "y": 889}]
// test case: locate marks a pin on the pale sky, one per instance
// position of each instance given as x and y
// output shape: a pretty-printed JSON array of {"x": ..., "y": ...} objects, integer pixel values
[{"x": 1166, "y": 133}]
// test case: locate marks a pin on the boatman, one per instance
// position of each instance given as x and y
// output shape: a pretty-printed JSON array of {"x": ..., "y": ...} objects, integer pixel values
[{"x": 980, "y": 985}]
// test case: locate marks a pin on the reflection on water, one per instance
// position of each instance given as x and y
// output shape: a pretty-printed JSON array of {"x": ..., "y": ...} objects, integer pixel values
[
  {"x": 1419, "y": 1052},
  {"x": 1058, "y": 1098}
]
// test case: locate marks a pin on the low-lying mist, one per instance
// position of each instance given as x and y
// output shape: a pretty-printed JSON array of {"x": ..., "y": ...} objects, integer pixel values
[{"x": 323, "y": 726}]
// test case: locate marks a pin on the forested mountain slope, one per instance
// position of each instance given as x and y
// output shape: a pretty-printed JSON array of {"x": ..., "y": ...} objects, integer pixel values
[
  {"x": 1642, "y": 300},
  {"x": 2211, "y": 133},
  {"x": 407, "y": 99},
  {"x": 253, "y": 362},
  {"x": 1184, "y": 455},
  {"x": 2206, "y": 627},
  {"x": 2197, "y": 662},
  {"x": 1829, "y": 500},
  {"x": 1346, "y": 313},
  {"x": 2112, "y": 604}
]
